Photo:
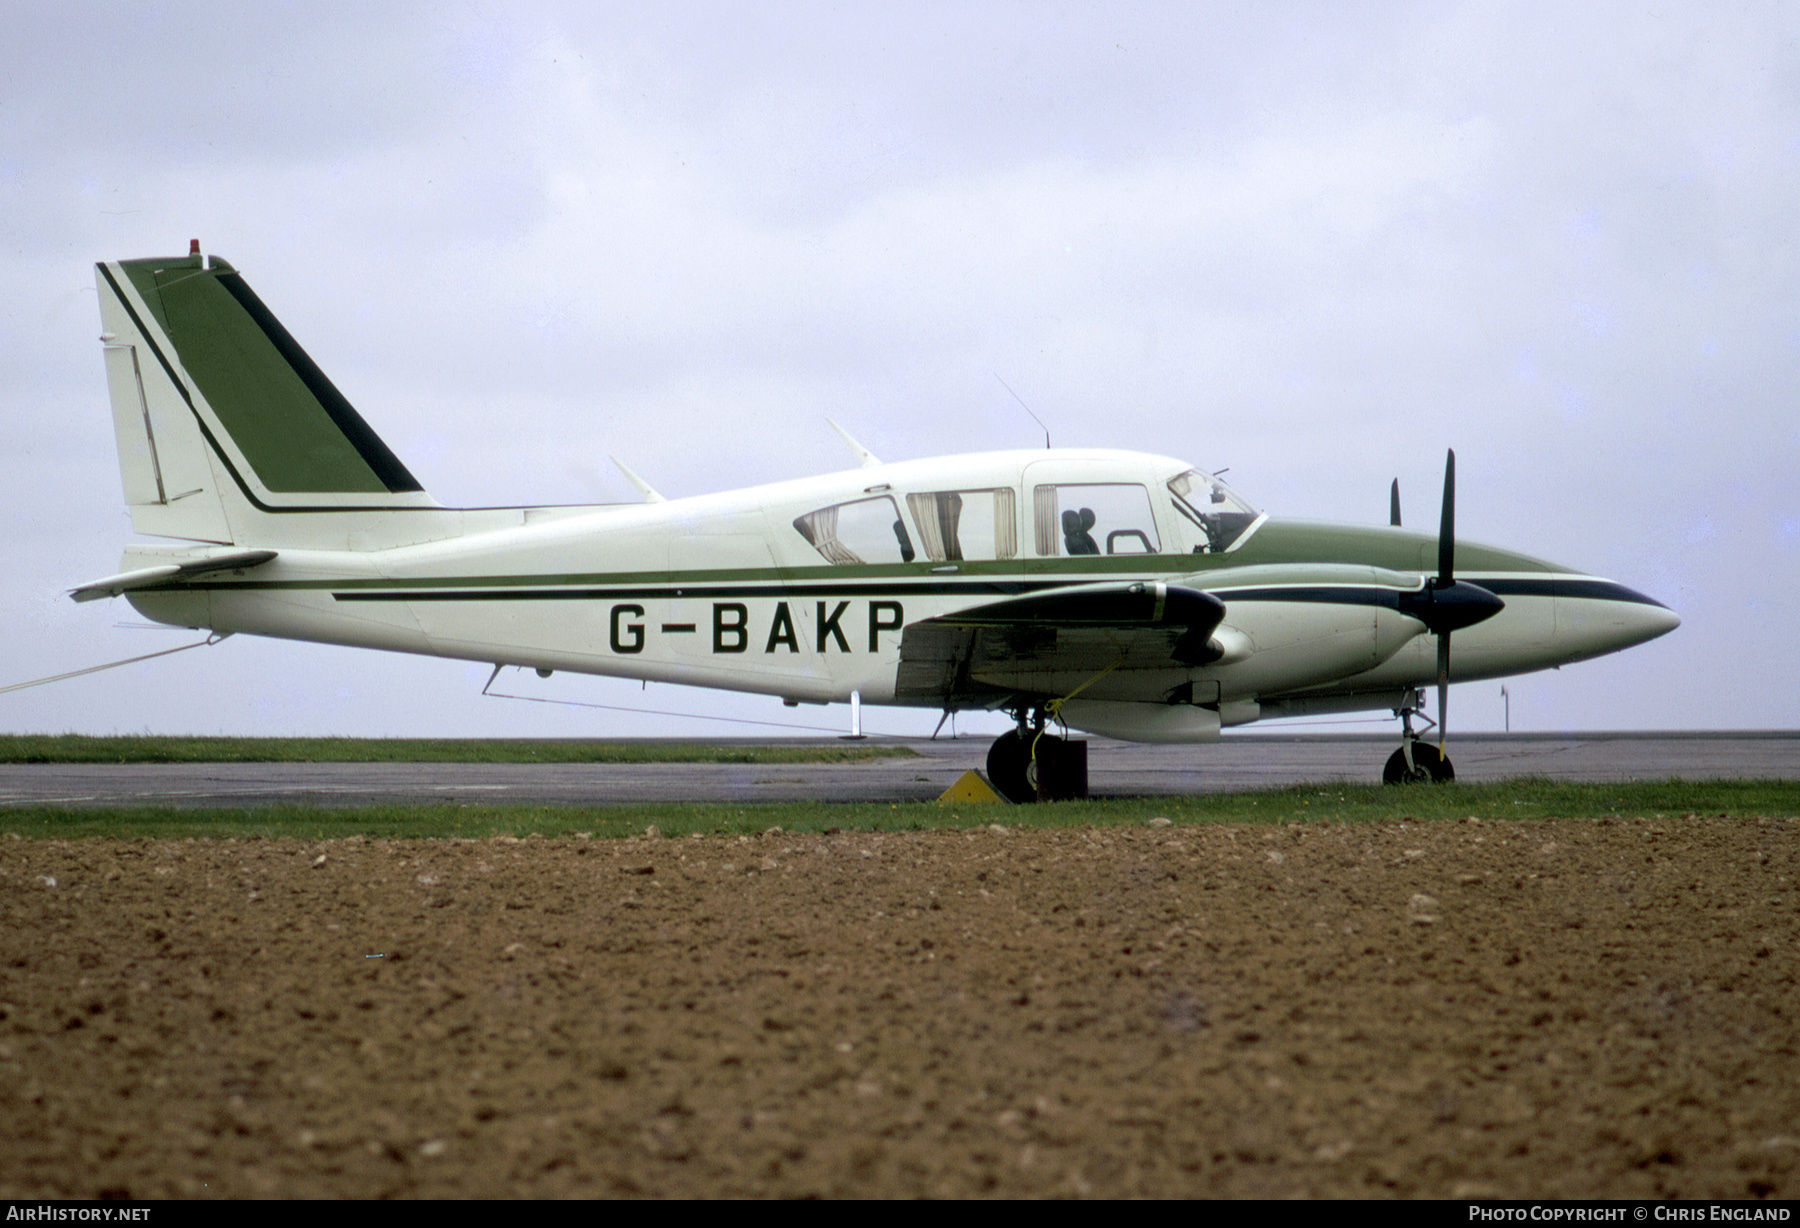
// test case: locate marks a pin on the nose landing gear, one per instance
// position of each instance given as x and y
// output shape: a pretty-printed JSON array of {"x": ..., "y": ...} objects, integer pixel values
[{"x": 1417, "y": 761}]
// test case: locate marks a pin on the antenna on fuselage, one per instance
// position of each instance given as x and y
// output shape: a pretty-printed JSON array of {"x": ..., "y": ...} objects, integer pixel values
[
  {"x": 643, "y": 488},
  {"x": 864, "y": 457},
  {"x": 1027, "y": 408}
]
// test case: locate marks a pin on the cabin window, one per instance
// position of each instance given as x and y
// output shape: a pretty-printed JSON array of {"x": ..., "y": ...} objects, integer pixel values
[
  {"x": 1218, "y": 511},
  {"x": 862, "y": 531},
  {"x": 967, "y": 524},
  {"x": 1100, "y": 518}
]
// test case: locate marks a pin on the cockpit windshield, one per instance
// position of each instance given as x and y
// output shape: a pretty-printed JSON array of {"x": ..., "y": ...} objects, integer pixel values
[{"x": 1218, "y": 511}]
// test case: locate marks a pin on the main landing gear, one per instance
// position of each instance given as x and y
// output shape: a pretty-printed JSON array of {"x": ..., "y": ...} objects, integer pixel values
[
  {"x": 1028, "y": 765},
  {"x": 1417, "y": 761}
]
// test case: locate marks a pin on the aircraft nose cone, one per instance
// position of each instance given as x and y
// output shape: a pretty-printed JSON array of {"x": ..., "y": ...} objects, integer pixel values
[
  {"x": 1604, "y": 617},
  {"x": 1655, "y": 620}
]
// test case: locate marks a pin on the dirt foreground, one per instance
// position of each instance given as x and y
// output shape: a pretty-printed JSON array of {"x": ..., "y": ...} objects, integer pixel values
[{"x": 1592, "y": 1008}]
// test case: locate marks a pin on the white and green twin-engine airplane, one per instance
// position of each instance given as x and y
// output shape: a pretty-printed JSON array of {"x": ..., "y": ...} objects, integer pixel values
[{"x": 1128, "y": 595}]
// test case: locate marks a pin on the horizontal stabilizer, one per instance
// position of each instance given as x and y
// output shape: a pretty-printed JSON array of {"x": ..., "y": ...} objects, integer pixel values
[{"x": 143, "y": 577}]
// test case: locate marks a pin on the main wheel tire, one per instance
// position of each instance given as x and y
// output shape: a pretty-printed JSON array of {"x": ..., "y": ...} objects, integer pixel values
[
  {"x": 1428, "y": 766},
  {"x": 1008, "y": 765}
]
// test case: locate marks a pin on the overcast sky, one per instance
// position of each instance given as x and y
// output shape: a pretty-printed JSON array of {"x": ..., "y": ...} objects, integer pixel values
[{"x": 1317, "y": 244}]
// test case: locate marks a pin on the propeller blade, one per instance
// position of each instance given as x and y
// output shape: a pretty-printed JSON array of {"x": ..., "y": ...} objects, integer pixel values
[
  {"x": 1447, "y": 525},
  {"x": 1394, "y": 504},
  {"x": 1443, "y": 603},
  {"x": 1443, "y": 690}
]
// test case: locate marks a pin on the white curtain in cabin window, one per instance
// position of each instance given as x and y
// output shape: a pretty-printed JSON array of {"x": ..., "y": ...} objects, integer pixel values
[
  {"x": 1006, "y": 523},
  {"x": 939, "y": 517},
  {"x": 1045, "y": 522},
  {"x": 820, "y": 528},
  {"x": 925, "y": 515}
]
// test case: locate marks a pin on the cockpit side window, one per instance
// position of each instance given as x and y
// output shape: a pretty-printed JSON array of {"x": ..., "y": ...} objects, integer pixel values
[
  {"x": 1214, "y": 508},
  {"x": 1094, "y": 518},
  {"x": 861, "y": 531},
  {"x": 967, "y": 524}
]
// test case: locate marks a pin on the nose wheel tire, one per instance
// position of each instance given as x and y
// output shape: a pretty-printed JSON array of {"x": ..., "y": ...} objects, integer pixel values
[{"x": 1427, "y": 767}]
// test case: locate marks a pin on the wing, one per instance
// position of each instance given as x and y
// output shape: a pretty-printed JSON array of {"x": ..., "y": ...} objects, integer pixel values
[{"x": 1143, "y": 637}]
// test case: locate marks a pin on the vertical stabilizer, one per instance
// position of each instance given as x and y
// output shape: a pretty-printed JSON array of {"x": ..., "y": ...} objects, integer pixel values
[{"x": 221, "y": 418}]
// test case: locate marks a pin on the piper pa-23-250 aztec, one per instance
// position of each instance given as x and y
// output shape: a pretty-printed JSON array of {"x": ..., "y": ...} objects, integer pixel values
[{"x": 1123, "y": 594}]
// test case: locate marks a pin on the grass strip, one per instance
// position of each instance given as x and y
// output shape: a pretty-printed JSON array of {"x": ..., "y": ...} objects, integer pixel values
[
  {"x": 79, "y": 748},
  {"x": 1670, "y": 800}
]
